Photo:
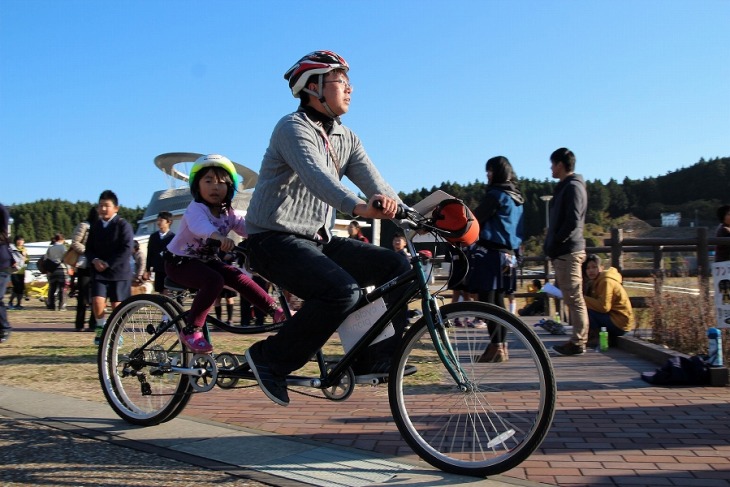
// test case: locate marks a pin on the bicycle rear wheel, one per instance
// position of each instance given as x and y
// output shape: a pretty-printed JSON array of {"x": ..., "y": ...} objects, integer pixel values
[
  {"x": 502, "y": 413},
  {"x": 138, "y": 383}
]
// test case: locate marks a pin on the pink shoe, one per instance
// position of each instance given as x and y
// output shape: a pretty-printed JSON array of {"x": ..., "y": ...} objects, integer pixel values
[
  {"x": 279, "y": 315},
  {"x": 196, "y": 341}
]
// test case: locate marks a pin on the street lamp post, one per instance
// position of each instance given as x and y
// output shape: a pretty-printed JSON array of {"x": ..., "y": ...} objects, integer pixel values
[{"x": 547, "y": 199}]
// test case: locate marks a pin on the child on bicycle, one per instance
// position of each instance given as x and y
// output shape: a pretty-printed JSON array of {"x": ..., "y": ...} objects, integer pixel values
[{"x": 189, "y": 261}]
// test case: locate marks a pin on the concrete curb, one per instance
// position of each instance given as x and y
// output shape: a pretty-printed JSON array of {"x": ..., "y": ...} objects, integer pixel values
[{"x": 649, "y": 351}]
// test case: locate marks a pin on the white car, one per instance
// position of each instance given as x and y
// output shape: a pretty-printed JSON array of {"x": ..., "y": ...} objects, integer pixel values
[{"x": 32, "y": 274}]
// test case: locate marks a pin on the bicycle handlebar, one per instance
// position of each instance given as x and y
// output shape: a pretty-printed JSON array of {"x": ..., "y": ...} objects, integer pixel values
[{"x": 400, "y": 214}]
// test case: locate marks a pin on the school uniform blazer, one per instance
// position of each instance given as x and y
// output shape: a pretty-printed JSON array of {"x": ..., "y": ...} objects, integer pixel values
[{"x": 113, "y": 245}]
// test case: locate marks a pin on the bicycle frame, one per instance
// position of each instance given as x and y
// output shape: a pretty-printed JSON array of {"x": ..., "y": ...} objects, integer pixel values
[{"x": 417, "y": 282}]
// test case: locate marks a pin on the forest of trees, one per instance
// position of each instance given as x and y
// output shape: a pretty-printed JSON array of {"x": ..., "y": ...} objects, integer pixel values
[
  {"x": 695, "y": 191},
  {"x": 41, "y": 220}
]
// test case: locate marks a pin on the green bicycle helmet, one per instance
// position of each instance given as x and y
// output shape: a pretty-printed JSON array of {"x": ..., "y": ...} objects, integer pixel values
[{"x": 213, "y": 160}]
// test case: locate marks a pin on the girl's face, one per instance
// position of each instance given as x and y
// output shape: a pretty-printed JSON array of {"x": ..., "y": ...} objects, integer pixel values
[
  {"x": 213, "y": 186},
  {"x": 592, "y": 270}
]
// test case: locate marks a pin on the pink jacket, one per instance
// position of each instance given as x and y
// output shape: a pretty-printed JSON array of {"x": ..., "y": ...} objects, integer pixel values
[{"x": 198, "y": 224}]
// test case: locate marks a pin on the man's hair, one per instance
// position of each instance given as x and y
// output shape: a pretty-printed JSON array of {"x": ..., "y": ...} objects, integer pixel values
[
  {"x": 165, "y": 215},
  {"x": 108, "y": 194},
  {"x": 19, "y": 237},
  {"x": 355, "y": 223},
  {"x": 565, "y": 156},
  {"x": 721, "y": 212},
  {"x": 593, "y": 258},
  {"x": 58, "y": 237},
  {"x": 399, "y": 235}
]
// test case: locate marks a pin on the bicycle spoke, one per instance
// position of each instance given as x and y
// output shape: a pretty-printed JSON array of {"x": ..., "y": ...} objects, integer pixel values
[{"x": 499, "y": 419}]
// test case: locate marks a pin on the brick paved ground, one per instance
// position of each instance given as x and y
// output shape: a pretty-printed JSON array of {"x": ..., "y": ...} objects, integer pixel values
[{"x": 610, "y": 428}]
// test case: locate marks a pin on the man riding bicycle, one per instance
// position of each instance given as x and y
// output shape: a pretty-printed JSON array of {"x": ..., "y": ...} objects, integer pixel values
[{"x": 292, "y": 213}]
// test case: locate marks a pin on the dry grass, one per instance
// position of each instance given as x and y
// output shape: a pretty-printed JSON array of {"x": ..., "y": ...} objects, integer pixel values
[{"x": 680, "y": 322}]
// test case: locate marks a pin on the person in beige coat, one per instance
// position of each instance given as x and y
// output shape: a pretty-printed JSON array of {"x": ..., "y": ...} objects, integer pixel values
[{"x": 607, "y": 302}]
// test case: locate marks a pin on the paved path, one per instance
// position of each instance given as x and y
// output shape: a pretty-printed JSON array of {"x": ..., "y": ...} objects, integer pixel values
[{"x": 610, "y": 429}]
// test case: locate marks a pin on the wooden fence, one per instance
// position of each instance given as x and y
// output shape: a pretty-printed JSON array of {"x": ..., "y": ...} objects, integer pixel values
[{"x": 617, "y": 247}]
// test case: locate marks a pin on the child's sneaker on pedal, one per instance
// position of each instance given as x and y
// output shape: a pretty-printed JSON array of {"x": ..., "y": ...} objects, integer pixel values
[
  {"x": 279, "y": 315},
  {"x": 194, "y": 339}
]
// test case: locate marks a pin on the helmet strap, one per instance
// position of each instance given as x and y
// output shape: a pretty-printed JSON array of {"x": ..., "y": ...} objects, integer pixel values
[{"x": 319, "y": 95}]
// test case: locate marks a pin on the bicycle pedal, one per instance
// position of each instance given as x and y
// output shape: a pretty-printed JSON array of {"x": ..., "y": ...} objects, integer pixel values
[{"x": 371, "y": 379}]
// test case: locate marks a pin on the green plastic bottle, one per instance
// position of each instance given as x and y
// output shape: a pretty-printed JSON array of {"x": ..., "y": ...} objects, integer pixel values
[{"x": 603, "y": 339}]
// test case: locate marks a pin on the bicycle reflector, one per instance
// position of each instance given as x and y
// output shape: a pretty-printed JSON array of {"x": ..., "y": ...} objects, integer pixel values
[{"x": 456, "y": 222}]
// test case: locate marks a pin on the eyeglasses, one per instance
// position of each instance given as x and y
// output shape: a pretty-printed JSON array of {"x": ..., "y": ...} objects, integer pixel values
[{"x": 345, "y": 84}]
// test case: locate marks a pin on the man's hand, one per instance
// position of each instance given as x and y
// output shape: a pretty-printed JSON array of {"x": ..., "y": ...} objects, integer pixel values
[{"x": 388, "y": 209}]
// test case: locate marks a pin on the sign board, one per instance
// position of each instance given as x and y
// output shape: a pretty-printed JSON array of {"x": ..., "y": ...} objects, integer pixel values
[{"x": 721, "y": 283}]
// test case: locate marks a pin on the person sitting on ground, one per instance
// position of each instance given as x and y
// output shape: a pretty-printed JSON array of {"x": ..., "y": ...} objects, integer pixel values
[
  {"x": 535, "y": 306},
  {"x": 607, "y": 302},
  {"x": 291, "y": 217},
  {"x": 191, "y": 262}
]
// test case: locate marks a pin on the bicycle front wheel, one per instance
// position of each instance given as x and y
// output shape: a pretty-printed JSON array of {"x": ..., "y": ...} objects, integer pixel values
[
  {"x": 496, "y": 415},
  {"x": 138, "y": 383}
]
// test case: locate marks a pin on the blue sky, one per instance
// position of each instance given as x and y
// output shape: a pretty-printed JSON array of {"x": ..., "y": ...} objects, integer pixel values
[{"x": 92, "y": 91}]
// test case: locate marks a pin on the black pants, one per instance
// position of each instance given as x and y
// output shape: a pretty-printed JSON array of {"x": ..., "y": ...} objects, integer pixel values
[{"x": 83, "y": 299}]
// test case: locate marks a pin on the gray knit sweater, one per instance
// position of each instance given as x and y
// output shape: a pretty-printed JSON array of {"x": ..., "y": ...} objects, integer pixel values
[{"x": 297, "y": 187}]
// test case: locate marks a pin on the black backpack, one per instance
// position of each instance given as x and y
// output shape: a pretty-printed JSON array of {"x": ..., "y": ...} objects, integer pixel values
[
  {"x": 46, "y": 265},
  {"x": 681, "y": 371}
]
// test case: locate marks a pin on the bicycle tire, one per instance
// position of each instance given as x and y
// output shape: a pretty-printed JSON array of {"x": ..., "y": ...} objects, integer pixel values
[
  {"x": 505, "y": 412},
  {"x": 128, "y": 328}
]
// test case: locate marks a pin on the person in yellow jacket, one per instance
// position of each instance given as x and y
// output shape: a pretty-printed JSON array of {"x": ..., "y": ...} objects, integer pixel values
[{"x": 607, "y": 302}]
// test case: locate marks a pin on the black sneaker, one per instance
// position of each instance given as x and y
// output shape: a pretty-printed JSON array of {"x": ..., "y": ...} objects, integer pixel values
[
  {"x": 5, "y": 334},
  {"x": 569, "y": 348},
  {"x": 274, "y": 386}
]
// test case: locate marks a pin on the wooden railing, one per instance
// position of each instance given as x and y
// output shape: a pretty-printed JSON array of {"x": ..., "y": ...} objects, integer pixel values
[{"x": 617, "y": 247}]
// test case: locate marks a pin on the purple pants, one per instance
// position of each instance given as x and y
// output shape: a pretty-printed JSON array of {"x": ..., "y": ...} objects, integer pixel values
[{"x": 209, "y": 278}]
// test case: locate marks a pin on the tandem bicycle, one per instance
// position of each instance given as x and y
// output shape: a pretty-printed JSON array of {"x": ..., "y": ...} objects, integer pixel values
[{"x": 458, "y": 414}]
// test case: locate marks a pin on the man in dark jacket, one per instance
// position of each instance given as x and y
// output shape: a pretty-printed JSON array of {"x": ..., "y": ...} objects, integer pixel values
[
  {"x": 109, "y": 251},
  {"x": 565, "y": 245},
  {"x": 157, "y": 243},
  {"x": 6, "y": 267}
]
